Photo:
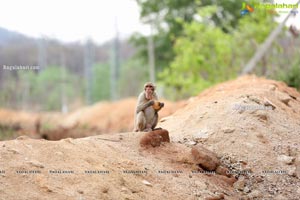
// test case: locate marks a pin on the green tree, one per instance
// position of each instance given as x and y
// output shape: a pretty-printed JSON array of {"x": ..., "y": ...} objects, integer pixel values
[
  {"x": 47, "y": 87},
  {"x": 206, "y": 54},
  {"x": 132, "y": 78},
  {"x": 168, "y": 17},
  {"x": 101, "y": 82}
]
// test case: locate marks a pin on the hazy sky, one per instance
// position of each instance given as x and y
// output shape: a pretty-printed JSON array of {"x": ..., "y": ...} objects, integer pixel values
[{"x": 71, "y": 20}]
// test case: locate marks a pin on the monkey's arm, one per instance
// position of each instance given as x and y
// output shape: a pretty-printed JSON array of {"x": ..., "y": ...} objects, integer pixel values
[{"x": 142, "y": 103}]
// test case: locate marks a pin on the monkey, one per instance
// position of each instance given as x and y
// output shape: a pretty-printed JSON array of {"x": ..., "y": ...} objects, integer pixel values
[{"x": 146, "y": 112}]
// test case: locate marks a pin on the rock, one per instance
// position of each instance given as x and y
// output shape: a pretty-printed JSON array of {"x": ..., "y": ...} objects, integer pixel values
[
  {"x": 13, "y": 151},
  {"x": 228, "y": 130},
  {"x": 223, "y": 171},
  {"x": 230, "y": 181},
  {"x": 269, "y": 103},
  {"x": 240, "y": 184},
  {"x": 283, "y": 97},
  {"x": 150, "y": 139},
  {"x": 261, "y": 114},
  {"x": 191, "y": 143},
  {"x": 202, "y": 134},
  {"x": 205, "y": 158},
  {"x": 164, "y": 134},
  {"x": 80, "y": 191},
  {"x": 155, "y": 138},
  {"x": 247, "y": 189},
  {"x": 23, "y": 137},
  {"x": 105, "y": 190},
  {"x": 216, "y": 197},
  {"x": 280, "y": 197},
  {"x": 297, "y": 163},
  {"x": 259, "y": 179},
  {"x": 36, "y": 164},
  {"x": 146, "y": 183},
  {"x": 286, "y": 159},
  {"x": 292, "y": 171},
  {"x": 255, "y": 194},
  {"x": 201, "y": 185}
]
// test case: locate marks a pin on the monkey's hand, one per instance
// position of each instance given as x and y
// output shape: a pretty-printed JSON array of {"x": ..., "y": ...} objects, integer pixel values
[
  {"x": 150, "y": 103},
  {"x": 142, "y": 107}
]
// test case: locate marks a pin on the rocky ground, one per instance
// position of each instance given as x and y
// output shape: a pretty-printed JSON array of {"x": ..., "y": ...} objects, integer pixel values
[{"x": 248, "y": 128}]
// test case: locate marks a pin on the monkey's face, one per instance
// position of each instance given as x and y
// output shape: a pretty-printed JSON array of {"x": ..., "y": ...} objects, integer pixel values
[{"x": 149, "y": 92}]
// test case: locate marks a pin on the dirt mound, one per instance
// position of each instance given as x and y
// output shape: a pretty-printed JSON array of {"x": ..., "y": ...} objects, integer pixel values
[
  {"x": 112, "y": 117},
  {"x": 248, "y": 127},
  {"x": 254, "y": 125},
  {"x": 110, "y": 166},
  {"x": 102, "y": 117}
]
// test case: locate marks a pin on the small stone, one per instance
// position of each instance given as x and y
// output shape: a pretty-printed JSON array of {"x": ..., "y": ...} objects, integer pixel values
[
  {"x": 146, "y": 183},
  {"x": 36, "y": 164},
  {"x": 255, "y": 194},
  {"x": 223, "y": 171},
  {"x": 240, "y": 184},
  {"x": 262, "y": 115},
  {"x": 228, "y": 130},
  {"x": 259, "y": 179},
  {"x": 13, "y": 151},
  {"x": 80, "y": 191},
  {"x": 268, "y": 103},
  {"x": 280, "y": 197},
  {"x": 205, "y": 158},
  {"x": 215, "y": 197},
  {"x": 297, "y": 163},
  {"x": 23, "y": 137},
  {"x": 286, "y": 159},
  {"x": 292, "y": 171},
  {"x": 105, "y": 190},
  {"x": 283, "y": 97},
  {"x": 202, "y": 134},
  {"x": 191, "y": 143},
  {"x": 200, "y": 184},
  {"x": 247, "y": 190}
]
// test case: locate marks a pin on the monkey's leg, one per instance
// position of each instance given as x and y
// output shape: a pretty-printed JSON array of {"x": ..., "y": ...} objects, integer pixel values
[
  {"x": 155, "y": 120},
  {"x": 140, "y": 121}
]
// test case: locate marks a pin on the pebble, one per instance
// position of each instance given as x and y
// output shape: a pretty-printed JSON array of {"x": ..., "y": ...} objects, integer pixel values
[
  {"x": 146, "y": 183},
  {"x": 286, "y": 159},
  {"x": 228, "y": 130}
]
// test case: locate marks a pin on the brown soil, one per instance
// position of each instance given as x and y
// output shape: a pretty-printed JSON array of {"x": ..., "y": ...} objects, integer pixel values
[{"x": 251, "y": 124}]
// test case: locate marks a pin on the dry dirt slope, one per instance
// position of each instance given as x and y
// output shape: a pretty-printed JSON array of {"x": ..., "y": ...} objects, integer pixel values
[
  {"x": 253, "y": 122},
  {"x": 231, "y": 119}
]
